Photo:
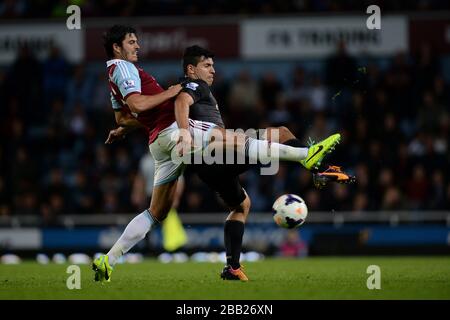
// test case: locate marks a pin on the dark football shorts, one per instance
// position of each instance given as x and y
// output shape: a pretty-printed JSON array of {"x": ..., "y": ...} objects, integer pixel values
[{"x": 224, "y": 180}]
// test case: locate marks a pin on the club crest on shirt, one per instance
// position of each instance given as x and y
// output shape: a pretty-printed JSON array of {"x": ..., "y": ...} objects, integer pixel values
[
  {"x": 192, "y": 86},
  {"x": 128, "y": 84}
]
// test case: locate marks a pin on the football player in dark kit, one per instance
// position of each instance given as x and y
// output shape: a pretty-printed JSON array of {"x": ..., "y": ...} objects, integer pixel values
[
  {"x": 196, "y": 101},
  {"x": 197, "y": 68}
]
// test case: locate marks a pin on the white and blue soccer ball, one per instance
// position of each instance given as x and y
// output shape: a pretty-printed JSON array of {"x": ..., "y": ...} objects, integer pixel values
[{"x": 289, "y": 211}]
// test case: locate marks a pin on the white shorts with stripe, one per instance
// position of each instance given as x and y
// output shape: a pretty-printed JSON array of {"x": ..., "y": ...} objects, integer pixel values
[{"x": 168, "y": 169}]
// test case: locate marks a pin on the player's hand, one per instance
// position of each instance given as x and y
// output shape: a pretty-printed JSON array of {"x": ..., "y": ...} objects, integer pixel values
[
  {"x": 184, "y": 142},
  {"x": 174, "y": 90},
  {"x": 115, "y": 134}
]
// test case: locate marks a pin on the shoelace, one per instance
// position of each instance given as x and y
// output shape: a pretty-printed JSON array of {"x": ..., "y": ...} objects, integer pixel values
[{"x": 310, "y": 142}]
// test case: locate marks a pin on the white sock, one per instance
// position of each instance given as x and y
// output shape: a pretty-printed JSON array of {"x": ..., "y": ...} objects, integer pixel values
[
  {"x": 134, "y": 232},
  {"x": 265, "y": 151}
]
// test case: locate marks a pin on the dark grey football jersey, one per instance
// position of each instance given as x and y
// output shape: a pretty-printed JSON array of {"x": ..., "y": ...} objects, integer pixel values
[{"x": 205, "y": 107}]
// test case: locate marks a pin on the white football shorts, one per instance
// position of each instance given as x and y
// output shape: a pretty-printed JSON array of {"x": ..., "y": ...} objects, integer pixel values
[{"x": 168, "y": 166}]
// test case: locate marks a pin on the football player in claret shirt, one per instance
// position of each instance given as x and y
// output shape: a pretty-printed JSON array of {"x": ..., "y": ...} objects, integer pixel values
[{"x": 139, "y": 101}]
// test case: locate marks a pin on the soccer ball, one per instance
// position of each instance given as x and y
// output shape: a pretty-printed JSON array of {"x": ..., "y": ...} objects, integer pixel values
[{"x": 289, "y": 211}]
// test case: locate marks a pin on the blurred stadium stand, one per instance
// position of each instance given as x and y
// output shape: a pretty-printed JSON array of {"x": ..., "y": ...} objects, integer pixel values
[{"x": 387, "y": 94}]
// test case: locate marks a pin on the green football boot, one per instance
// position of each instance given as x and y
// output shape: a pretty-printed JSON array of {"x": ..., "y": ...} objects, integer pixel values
[
  {"x": 102, "y": 268},
  {"x": 318, "y": 151}
]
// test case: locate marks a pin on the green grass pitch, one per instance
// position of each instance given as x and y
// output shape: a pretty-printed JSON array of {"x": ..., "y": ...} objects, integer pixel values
[{"x": 310, "y": 278}]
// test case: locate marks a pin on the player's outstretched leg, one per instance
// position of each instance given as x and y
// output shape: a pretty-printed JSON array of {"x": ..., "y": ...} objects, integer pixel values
[
  {"x": 265, "y": 151},
  {"x": 318, "y": 151},
  {"x": 322, "y": 176}
]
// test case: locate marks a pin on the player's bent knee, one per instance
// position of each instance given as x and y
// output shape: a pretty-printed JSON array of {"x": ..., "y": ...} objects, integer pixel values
[
  {"x": 278, "y": 134},
  {"x": 244, "y": 207},
  {"x": 285, "y": 134},
  {"x": 247, "y": 203},
  {"x": 284, "y": 130}
]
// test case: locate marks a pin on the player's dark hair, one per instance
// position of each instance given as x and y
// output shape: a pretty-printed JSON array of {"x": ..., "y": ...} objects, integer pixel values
[
  {"x": 115, "y": 34},
  {"x": 194, "y": 54}
]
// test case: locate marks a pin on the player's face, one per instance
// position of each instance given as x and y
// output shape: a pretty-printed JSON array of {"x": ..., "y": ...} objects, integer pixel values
[
  {"x": 130, "y": 47},
  {"x": 205, "y": 70}
]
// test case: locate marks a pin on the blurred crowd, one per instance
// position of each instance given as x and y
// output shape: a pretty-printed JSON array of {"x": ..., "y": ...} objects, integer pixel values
[
  {"x": 394, "y": 120},
  {"x": 18, "y": 9}
]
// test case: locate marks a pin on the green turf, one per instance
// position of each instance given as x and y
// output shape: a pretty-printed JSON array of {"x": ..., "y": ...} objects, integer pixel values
[{"x": 311, "y": 278}]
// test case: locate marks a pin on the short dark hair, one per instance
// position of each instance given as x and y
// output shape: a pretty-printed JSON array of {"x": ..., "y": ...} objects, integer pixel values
[
  {"x": 115, "y": 34},
  {"x": 193, "y": 55}
]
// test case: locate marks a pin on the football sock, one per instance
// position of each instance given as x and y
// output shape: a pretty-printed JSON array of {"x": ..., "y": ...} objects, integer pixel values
[
  {"x": 134, "y": 232},
  {"x": 265, "y": 151},
  {"x": 234, "y": 232}
]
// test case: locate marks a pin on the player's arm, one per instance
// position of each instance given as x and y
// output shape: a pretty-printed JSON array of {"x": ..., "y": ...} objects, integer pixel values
[
  {"x": 127, "y": 79},
  {"x": 182, "y": 104},
  {"x": 192, "y": 92},
  {"x": 124, "y": 120},
  {"x": 138, "y": 102},
  {"x": 126, "y": 123}
]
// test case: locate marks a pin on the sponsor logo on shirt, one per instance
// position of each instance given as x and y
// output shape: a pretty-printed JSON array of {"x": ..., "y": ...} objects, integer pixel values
[
  {"x": 192, "y": 85},
  {"x": 128, "y": 84}
]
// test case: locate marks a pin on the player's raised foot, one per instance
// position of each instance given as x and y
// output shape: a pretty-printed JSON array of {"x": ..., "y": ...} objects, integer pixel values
[
  {"x": 318, "y": 151},
  {"x": 228, "y": 273},
  {"x": 332, "y": 174},
  {"x": 102, "y": 268}
]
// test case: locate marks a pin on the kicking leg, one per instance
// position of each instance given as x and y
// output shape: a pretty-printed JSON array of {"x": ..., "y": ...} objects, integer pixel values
[
  {"x": 265, "y": 151},
  {"x": 326, "y": 172}
]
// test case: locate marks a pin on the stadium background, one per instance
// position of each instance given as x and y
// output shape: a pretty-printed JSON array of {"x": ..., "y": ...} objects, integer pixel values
[{"x": 277, "y": 63}]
